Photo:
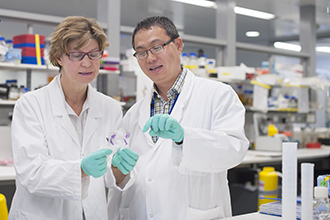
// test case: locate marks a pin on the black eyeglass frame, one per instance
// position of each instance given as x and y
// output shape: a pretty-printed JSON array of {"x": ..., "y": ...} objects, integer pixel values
[
  {"x": 88, "y": 53},
  {"x": 163, "y": 45}
]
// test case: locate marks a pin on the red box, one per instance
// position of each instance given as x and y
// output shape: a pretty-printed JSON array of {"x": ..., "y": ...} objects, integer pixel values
[
  {"x": 31, "y": 52},
  {"x": 28, "y": 38}
]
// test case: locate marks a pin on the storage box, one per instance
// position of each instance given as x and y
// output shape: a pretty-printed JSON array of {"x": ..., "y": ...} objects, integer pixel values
[
  {"x": 227, "y": 73},
  {"x": 31, "y": 52},
  {"x": 28, "y": 45},
  {"x": 32, "y": 60},
  {"x": 28, "y": 38}
]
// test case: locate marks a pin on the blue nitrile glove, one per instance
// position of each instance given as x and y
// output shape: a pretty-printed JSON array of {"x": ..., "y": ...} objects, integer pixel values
[
  {"x": 125, "y": 160},
  {"x": 164, "y": 126},
  {"x": 95, "y": 164}
]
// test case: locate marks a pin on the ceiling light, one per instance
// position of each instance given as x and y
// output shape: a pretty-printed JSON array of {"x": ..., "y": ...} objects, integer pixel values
[
  {"x": 253, "y": 13},
  {"x": 252, "y": 34},
  {"x": 287, "y": 46},
  {"x": 203, "y": 3},
  {"x": 324, "y": 49}
]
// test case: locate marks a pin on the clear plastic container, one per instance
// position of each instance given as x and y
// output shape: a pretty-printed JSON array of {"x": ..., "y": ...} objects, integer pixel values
[
  {"x": 320, "y": 203},
  {"x": 185, "y": 60},
  {"x": 3, "y": 49},
  {"x": 13, "y": 92},
  {"x": 9, "y": 44},
  {"x": 193, "y": 63}
]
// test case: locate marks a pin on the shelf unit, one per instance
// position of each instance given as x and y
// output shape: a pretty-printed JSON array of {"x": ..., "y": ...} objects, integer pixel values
[{"x": 40, "y": 68}]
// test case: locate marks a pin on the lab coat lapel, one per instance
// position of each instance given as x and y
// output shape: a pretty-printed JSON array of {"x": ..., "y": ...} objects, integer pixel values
[
  {"x": 93, "y": 117},
  {"x": 57, "y": 101},
  {"x": 183, "y": 98},
  {"x": 177, "y": 111},
  {"x": 144, "y": 114}
]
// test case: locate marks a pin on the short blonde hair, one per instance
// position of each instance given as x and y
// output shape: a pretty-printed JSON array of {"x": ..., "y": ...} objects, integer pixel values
[{"x": 73, "y": 28}]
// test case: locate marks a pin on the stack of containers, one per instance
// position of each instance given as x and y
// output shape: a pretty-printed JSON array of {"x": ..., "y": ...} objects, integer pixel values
[{"x": 32, "y": 46}]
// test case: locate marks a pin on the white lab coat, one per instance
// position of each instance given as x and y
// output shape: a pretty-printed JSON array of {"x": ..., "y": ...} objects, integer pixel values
[
  {"x": 47, "y": 156},
  {"x": 189, "y": 182}
]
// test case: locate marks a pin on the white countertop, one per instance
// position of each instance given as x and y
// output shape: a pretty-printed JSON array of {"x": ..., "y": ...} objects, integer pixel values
[
  {"x": 252, "y": 157},
  {"x": 253, "y": 216},
  {"x": 7, "y": 173}
]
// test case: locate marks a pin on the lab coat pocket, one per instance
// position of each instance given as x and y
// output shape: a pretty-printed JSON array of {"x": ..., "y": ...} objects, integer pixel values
[
  {"x": 197, "y": 214},
  {"x": 29, "y": 216},
  {"x": 124, "y": 214}
]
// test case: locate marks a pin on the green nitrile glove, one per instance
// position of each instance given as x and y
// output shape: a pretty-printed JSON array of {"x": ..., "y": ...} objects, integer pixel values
[
  {"x": 164, "y": 126},
  {"x": 95, "y": 164},
  {"x": 125, "y": 160}
]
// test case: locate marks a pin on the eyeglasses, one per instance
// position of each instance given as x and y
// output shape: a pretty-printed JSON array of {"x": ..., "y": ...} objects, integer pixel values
[
  {"x": 93, "y": 55},
  {"x": 154, "y": 50}
]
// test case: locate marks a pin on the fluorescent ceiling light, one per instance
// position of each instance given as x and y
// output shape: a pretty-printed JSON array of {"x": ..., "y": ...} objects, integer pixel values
[
  {"x": 203, "y": 3},
  {"x": 324, "y": 49},
  {"x": 237, "y": 10},
  {"x": 287, "y": 46},
  {"x": 252, "y": 34},
  {"x": 253, "y": 13}
]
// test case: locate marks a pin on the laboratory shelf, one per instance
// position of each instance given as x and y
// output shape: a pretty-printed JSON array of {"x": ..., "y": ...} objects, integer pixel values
[
  {"x": 47, "y": 68},
  {"x": 21, "y": 66},
  {"x": 7, "y": 102}
]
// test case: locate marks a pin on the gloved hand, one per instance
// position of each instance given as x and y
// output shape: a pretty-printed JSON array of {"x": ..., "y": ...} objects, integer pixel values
[
  {"x": 164, "y": 126},
  {"x": 95, "y": 164},
  {"x": 125, "y": 160}
]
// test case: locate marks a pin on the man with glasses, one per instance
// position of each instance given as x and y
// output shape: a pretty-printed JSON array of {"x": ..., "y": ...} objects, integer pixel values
[{"x": 188, "y": 131}]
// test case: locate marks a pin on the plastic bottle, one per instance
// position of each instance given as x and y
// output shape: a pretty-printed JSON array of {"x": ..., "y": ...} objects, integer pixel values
[
  {"x": 320, "y": 203},
  {"x": 201, "y": 71},
  {"x": 22, "y": 90},
  {"x": 3, "y": 42},
  {"x": 9, "y": 44},
  {"x": 268, "y": 182},
  {"x": 13, "y": 92},
  {"x": 240, "y": 93},
  {"x": 248, "y": 97},
  {"x": 193, "y": 61},
  {"x": 184, "y": 60},
  {"x": 3, "y": 207},
  {"x": 3, "y": 49},
  {"x": 293, "y": 102}
]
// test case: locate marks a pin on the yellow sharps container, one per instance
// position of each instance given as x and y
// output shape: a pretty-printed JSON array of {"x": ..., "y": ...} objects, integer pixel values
[
  {"x": 3, "y": 208},
  {"x": 268, "y": 182}
]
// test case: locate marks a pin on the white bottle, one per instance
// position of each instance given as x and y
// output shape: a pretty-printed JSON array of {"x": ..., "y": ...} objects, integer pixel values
[
  {"x": 193, "y": 61},
  {"x": 184, "y": 60},
  {"x": 201, "y": 71},
  {"x": 3, "y": 49},
  {"x": 320, "y": 203}
]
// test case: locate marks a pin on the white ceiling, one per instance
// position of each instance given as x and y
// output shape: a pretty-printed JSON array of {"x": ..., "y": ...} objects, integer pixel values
[{"x": 193, "y": 19}]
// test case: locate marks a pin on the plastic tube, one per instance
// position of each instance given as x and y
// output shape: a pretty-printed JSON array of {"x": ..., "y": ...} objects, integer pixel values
[
  {"x": 289, "y": 180},
  {"x": 307, "y": 186}
]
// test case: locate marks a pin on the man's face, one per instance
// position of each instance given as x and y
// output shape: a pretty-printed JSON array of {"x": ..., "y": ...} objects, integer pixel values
[{"x": 162, "y": 68}]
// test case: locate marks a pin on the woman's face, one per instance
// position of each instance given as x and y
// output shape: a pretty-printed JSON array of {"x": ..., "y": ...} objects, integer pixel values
[{"x": 79, "y": 73}]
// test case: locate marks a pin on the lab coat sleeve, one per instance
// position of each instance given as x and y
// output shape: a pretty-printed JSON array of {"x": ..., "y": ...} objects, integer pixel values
[
  {"x": 125, "y": 184},
  {"x": 35, "y": 169},
  {"x": 219, "y": 145}
]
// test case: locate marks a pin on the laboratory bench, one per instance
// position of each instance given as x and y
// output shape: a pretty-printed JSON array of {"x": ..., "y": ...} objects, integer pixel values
[
  {"x": 237, "y": 176},
  {"x": 243, "y": 179}
]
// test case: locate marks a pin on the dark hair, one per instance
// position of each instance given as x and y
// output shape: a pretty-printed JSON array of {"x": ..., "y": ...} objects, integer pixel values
[{"x": 160, "y": 21}]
